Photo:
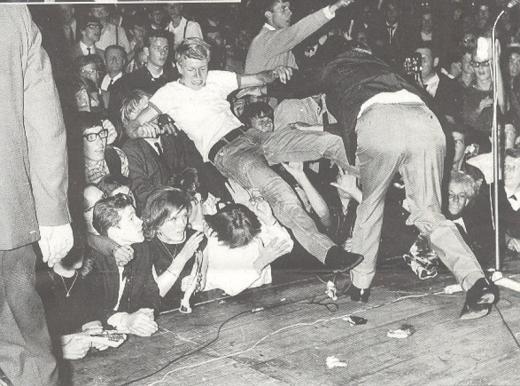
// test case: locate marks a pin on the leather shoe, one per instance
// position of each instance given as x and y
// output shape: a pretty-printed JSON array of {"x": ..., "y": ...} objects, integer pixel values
[
  {"x": 359, "y": 294},
  {"x": 479, "y": 299},
  {"x": 340, "y": 260}
]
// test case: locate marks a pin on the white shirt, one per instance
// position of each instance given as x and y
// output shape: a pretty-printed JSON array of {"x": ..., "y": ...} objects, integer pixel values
[
  {"x": 84, "y": 49},
  {"x": 205, "y": 114},
  {"x": 192, "y": 30},
  {"x": 110, "y": 37},
  {"x": 432, "y": 85},
  {"x": 401, "y": 96},
  {"x": 152, "y": 142},
  {"x": 105, "y": 83},
  {"x": 515, "y": 204}
]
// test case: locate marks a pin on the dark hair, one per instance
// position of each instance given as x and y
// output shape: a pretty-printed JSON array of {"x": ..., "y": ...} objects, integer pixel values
[
  {"x": 235, "y": 225},
  {"x": 513, "y": 152},
  {"x": 267, "y": 5},
  {"x": 111, "y": 182},
  {"x": 160, "y": 204},
  {"x": 85, "y": 20},
  {"x": 255, "y": 110},
  {"x": 86, "y": 119},
  {"x": 107, "y": 212},
  {"x": 429, "y": 46},
  {"x": 156, "y": 34}
]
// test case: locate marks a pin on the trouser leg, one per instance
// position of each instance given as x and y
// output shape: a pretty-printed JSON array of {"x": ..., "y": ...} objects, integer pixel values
[
  {"x": 25, "y": 347},
  {"x": 379, "y": 153},
  {"x": 422, "y": 175},
  {"x": 293, "y": 145},
  {"x": 247, "y": 166}
]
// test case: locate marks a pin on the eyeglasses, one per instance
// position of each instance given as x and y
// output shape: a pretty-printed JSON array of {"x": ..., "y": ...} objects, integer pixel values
[
  {"x": 89, "y": 71},
  {"x": 91, "y": 137},
  {"x": 480, "y": 64},
  {"x": 94, "y": 26},
  {"x": 458, "y": 197}
]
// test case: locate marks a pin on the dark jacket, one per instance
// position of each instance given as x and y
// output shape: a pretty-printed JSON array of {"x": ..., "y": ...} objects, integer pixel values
[
  {"x": 351, "y": 79},
  {"x": 140, "y": 291}
]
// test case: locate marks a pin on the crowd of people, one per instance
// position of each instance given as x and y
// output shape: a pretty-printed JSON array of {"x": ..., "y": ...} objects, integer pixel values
[{"x": 206, "y": 142}]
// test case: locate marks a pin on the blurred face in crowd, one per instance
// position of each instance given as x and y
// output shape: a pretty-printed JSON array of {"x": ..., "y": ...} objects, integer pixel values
[
  {"x": 426, "y": 23},
  {"x": 428, "y": 62},
  {"x": 263, "y": 123},
  {"x": 391, "y": 14},
  {"x": 457, "y": 198},
  {"x": 483, "y": 16},
  {"x": 280, "y": 14},
  {"x": 174, "y": 10},
  {"x": 460, "y": 146},
  {"x": 157, "y": 17},
  {"x": 157, "y": 53},
  {"x": 194, "y": 72},
  {"x": 174, "y": 227},
  {"x": 514, "y": 64},
  {"x": 138, "y": 32},
  {"x": 67, "y": 13},
  {"x": 115, "y": 60},
  {"x": 100, "y": 12},
  {"x": 94, "y": 143},
  {"x": 128, "y": 231},
  {"x": 90, "y": 71},
  {"x": 91, "y": 33},
  {"x": 512, "y": 174}
]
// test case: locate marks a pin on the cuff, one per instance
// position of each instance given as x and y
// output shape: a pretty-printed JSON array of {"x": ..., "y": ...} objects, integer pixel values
[
  {"x": 117, "y": 321},
  {"x": 328, "y": 13}
]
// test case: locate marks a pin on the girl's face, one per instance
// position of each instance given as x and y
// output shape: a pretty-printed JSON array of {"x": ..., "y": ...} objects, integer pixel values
[{"x": 174, "y": 227}]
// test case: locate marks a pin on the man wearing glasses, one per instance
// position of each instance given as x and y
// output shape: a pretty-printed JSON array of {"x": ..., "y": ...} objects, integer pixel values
[
  {"x": 273, "y": 44},
  {"x": 90, "y": 29}
]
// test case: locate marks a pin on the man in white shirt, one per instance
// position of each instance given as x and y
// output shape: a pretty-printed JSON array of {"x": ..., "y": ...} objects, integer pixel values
[
  {"x": 197, "y": 102},
  {"x": 110, "y": 33},
  {"x": 273, "y": 44},
  {"x": 115, "y": 60},
  {"x": 179, "y": 26},
  {"x": 90, "y": 30}
]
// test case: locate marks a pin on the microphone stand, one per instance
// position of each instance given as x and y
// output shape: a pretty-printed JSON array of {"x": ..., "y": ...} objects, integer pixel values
[{"x": 497, "y": 276}]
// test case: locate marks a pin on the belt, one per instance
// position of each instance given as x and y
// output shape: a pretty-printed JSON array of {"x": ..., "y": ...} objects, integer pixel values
[{"x": 226, "y": 139}]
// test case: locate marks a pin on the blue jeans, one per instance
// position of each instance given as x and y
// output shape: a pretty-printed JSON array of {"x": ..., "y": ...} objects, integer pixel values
[{"x": 246, "y": 160}]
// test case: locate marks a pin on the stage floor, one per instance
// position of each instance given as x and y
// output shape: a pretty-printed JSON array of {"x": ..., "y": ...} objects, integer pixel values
[{"x": 289, "y": 340}]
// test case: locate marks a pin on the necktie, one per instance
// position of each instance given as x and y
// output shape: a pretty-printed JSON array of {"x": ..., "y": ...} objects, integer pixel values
[
  {"x": 391, "y": 30},
  {"x": 89, "y": 50},
  {"x": 110, "y": 83},
  {"x": 513, "y": 197}
]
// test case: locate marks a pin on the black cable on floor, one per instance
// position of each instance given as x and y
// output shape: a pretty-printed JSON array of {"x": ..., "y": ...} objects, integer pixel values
[{"x": 194, "y": 351}]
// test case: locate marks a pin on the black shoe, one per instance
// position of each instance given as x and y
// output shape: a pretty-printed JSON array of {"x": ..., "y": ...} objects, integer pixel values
[
  {"x": 479, "y": 299},
  {"x": 359, "y": 294},
  {"x": 340, "y": 260}
]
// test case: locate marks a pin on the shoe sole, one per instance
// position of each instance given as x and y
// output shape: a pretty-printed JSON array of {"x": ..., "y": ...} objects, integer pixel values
[
  {"x": 351, "y": 266},
  {"x": 476, "y": 314}
]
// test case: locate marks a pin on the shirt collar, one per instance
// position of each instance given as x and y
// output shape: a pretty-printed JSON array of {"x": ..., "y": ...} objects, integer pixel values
[{"x": 269, "y": 27}]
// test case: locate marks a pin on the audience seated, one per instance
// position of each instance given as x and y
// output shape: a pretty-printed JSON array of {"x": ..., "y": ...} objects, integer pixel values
[{"x": 127, "y": 296}]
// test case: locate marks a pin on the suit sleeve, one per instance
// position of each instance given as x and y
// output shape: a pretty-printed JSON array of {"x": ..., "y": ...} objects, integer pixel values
[{"x": 45, "y": 130}]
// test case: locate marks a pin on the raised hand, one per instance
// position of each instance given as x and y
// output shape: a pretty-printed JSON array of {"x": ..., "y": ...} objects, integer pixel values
[{"x": 283, "y": 73}]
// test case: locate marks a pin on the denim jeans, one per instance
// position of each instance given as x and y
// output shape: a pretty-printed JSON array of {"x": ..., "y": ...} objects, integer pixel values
[
  {"x": 246, "y": 160},
  {"x": 405, "y": 138}
]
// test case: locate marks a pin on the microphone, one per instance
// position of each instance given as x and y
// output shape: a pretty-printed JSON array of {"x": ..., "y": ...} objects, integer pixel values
[{"x": 512, "y": 3}]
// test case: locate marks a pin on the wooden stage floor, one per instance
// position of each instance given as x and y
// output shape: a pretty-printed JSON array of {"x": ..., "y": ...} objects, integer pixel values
[{"x": 289, "y": 341}]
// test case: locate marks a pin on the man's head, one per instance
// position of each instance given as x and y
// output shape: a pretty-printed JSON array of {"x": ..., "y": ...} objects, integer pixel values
[
  {"x": 87, "y": 67},
  {"x": 174, "y": 10},
  {"x": 156, "y": 48},
  {"x": 94, "y": 135},
  {"x": 460, "y": 135},
  {"x": 429, "y": 61},
  {"x": 483, "y": 14},
  {"x": 512, "y": 170},
  {"x": 392, "y": 12},
  {"x": 115, "y": 218},
  {"x": 156, "y": 16},
  {"x": 462, "y": 189},
  {"x": 66, "y": 12},
  {"x": 513, "y": 62},
  {"x": 115, "y": 59},
  {"x": 192, "y": 59},
  {"x": 278, "y": 13},
  {"x": 427, "y": 22},
  {"x": 259, "y": 116},
  {"x": 133, "y": 103},
  {"x": 90, "y": 29},
  {"x": 100, "y": 12}
]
